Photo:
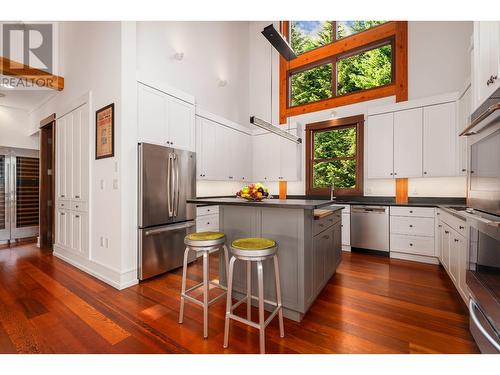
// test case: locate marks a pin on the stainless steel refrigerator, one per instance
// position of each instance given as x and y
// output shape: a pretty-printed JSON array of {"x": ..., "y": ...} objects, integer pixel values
[{"x": 167, "y": 177}]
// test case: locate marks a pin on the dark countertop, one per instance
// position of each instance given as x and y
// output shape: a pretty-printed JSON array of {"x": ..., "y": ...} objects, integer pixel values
[{"x": 306, "y": 204}]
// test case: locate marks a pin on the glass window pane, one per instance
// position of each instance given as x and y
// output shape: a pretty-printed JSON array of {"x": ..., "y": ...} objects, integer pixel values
[
  {"x": 311, "y": 85},
  {"x": 365, "y": 70},
  {"x": 346, "y": 28},
  {"x": 335, "y": 143},
  {"x": 307, "y": 35},
  {"x": 341, "y": 172}
]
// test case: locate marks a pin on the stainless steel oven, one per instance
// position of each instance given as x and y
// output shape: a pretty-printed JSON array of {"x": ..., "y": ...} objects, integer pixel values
[{"x": 483, "y": 224}]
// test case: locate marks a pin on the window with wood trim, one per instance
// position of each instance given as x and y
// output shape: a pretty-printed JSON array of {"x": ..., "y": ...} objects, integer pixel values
[
  {"x": 334, "y": 155},
  {"x": 342, "y": 62}
]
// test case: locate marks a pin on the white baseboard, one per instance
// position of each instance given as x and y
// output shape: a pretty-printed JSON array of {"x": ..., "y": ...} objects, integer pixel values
[
  {"x": 415, "y": 258},
  {"x": 109, "y": 276}
]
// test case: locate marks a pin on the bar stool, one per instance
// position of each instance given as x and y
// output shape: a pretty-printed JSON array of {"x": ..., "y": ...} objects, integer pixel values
[
  {"x": 254, "y": 250},
  {"x": 204, "y": 242}
]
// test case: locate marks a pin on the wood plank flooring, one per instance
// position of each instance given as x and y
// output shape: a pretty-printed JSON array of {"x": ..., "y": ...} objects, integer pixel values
[{"x": 372, "y": 305}]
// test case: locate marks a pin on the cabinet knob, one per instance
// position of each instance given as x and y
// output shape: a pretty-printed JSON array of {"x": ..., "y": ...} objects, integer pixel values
[
  {"x": 395, "y": 174},
  {"x": 62, "y": 195},
  {"x": 446, "y": 232},
  {"x": 391, "y": 173},
  {"x": 77, "y": 216},
  {"x": 461, "y": 227},
  {"x": 439, "y": 225},
  {"x": 77, "y": 206},
  {"x": 425, "y": 172},
  {"x": 326, "y": 237},
  {"x": 491, "y": 80},
  {"x": 464, "y": 170},
  {"x": 411, "y": 211},
  {"x": 455, "y": 240},
  {"x": 411, "y": 244},
  {"x": 411, "y": 226}
]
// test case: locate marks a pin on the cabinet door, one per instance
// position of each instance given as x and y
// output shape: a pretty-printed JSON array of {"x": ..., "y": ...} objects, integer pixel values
[
  {"x": 346, "y": 229},
  {"x": 223, "y": 163},
  {"x": 209, "y": 169},
  {"x": 486, "y": 58},
  {"x": 408, "y": 143},
  {"x": 200, "y": 159},
  {"x": 379, "y": 146},
  {"x": 78, "y": 233},
  {"x": 439, "y": 140},
  {"x": 180, "y": 124},
  {"x": 151, "y": 115},
  {"x": 319, "y": 245},
  {"x": 246, "y": 157},
  {"x": 80, "y": 154},
  {"x": 464, "y": 110},
  {"x": 62, "y": 228},
  {"x": 462, "y": 266},
  {"x": 454, "y": 255},
  {"x": 445, "y": 246},
  {"x": 330, "y": 251},
  {"x": 60, "y": 158},
  {"x": 289, "y": 160},
  {"x": 337, "y": 245},
  {"x": 266, "y": 157},
  {"x": 69, "y": 154}
]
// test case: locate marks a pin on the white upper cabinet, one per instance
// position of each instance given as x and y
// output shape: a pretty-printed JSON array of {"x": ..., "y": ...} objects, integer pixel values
[
  {"x": 464, "y": 110},
  {"x": 379, "y": 146},
  {"x": 206, "y": 164},
  {"x": 440, "y": 140},
  {"x": 152, "y": 115},
  {"x": 181, "y": 124},
  {"x": 408, "y": 143},
  {"x": 289, "y": 160},
  {"x": 486, "y": 61},
  {"x": 164, "y": 119}
]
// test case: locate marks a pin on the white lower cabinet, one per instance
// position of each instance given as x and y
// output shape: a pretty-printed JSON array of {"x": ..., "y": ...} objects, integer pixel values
[
  {"x": 207, "y": 219},
  {"x": 412, "y": 234},
  {"x": 346, "y": 231},
  {"x": 453, "y": 255},
  {"x": 78, "y": 224},
  {"x": 62, "y": 227}
]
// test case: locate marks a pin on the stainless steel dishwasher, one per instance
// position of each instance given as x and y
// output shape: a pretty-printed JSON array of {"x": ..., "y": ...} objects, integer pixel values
[{"x": 370, "y": 227}]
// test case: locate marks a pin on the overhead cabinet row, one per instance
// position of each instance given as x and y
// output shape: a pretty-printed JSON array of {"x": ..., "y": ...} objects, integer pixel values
[{"x": 416, "y": 142}]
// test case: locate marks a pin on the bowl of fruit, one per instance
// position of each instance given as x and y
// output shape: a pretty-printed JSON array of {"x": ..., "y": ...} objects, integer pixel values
[{"x": 254, "y": 192}]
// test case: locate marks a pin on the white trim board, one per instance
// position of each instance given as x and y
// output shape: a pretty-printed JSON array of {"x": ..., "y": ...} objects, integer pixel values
[
  {"x": 416, "y": 103},
  {"x": 414, "y": 258},
  {"x": 222, "y": 121},
  {"x": 106, "y": 274},
  {"x": 169, "y": 90}
]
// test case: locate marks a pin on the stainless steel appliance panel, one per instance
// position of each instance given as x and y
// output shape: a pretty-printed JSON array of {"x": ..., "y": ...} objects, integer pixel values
[
  {"x": 370, "y": 227},
  {"x": 161, "y": 249},
  {"x": 167, "y": 177}
]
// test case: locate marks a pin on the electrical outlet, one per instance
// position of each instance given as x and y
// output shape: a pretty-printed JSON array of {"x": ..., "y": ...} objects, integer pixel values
[
  {"x": 102, "y": 184},
  {"x": 115, "y": 183}
]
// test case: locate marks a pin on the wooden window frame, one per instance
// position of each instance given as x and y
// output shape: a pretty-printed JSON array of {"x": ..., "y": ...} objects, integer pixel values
[
  {"x": 346, "y": 122},
  {"x": 394, "y": 32}
]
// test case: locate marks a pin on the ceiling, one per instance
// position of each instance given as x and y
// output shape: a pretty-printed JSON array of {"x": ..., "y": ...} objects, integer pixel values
[{"x": 27, "y": 100}]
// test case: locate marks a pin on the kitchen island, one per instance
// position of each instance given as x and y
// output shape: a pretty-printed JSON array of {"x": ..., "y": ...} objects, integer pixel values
[{"x": 308, "y": 234}]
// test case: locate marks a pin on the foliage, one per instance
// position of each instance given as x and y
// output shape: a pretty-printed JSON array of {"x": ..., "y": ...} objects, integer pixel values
[
  {"x": 369, "y": 69},
  {"x": 333, "y": 144}
]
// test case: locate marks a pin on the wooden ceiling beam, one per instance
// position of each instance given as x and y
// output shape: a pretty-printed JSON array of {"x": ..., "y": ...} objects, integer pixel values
[{"x": 34, "y": 76}]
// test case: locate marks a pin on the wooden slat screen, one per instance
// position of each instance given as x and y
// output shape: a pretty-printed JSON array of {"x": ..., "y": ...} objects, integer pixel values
[
  {"x": 27, "y": 191},
  {"x": 2, "y": 191}
]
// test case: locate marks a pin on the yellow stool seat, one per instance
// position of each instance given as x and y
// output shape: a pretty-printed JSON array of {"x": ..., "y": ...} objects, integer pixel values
[
  {"x": 253, "y": 243},
  {"x": 205, "y": 236}
]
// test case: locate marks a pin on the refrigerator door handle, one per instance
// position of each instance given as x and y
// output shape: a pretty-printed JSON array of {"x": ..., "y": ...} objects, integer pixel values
[
  {"x": 491, "y": 340},
  {"x": 169, "y": 185},
  {"x": 177, "y": 192},
  {"x": 170, "y": 228}
]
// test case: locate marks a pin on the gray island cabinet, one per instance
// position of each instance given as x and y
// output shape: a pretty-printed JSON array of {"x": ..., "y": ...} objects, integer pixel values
[{"x": 309, "y": 246}]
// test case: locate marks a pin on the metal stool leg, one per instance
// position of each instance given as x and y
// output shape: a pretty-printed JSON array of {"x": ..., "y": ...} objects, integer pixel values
[
  {"x": 205, "y": 294},
  {"x": 226, "y": 259},
  {"x": 229, "y": 301},
  {"x": 249, "y": 290},
  {"x": 278, "y": 295},
  {"x": 183, "y": 288},
  {"x": 262, "y": 325}
]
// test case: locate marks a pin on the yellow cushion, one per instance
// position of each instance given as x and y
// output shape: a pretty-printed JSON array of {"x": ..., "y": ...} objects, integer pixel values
[
  {"x": 253, "y": 243},
  {"x": 205, "y": 236}
]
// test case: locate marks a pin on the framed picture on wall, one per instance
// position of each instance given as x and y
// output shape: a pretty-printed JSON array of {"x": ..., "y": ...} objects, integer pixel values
[{"x": 105, "y": 132}]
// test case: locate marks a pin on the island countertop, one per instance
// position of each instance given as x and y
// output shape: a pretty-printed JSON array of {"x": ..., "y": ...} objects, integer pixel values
[{"x": 306, "y": 204}]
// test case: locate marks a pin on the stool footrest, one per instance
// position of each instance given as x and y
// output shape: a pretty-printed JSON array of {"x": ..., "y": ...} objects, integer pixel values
[
  {"x": 200, "y": 303},
  {"x": 255, "y": 298},
  {"x": 254, "y": 324}
]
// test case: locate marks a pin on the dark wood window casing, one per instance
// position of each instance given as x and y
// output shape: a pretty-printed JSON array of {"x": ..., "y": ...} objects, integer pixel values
[
  {"x": 341, "y": 123},
  {"x": 394, "y": 33}
]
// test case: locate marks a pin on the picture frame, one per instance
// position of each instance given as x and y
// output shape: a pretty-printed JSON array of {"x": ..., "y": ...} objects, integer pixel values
[{"x": 105, "y": 132}]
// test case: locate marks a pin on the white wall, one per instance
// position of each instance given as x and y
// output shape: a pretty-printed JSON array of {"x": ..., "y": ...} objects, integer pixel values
[
  {"x": 15, "y": 129},
  {"x": 91, "y": 56},
  {"x": 438, "y": 57},
  {"x": 212, "y": 51},
  {"x": 438, "y": 63}
]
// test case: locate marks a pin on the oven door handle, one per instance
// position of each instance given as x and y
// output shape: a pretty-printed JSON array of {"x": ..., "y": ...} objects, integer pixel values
[{"x": 472, "y": 307}]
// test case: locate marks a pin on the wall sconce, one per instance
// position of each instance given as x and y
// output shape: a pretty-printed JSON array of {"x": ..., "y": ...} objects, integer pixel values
[
  {"x": 179, "y": 56},
  {"x": 222, "y": 83},
  {"x": 333, "y": 114}
]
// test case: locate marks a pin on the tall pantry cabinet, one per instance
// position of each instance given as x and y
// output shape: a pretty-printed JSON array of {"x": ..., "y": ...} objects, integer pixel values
[{"x": 72, "y": 181}]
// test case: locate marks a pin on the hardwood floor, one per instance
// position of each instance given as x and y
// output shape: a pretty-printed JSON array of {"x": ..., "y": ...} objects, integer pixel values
[{"x": 372, "y": 305}]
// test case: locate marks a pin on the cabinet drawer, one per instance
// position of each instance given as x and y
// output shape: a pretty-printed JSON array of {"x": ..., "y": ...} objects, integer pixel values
[
  {"x": 63, "y": 205},
  {"x": 79, "y": 206},
  {"x": 412, "y": 211},
  {"x": 206, "y": 210},
  {"x": 414, "y": 226},
  {"x": 207, "y": 223},
  {"x": 412, "y": 244},
  {"x": 321, "y": 224},
  {"x": 454, "y": 222}
]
